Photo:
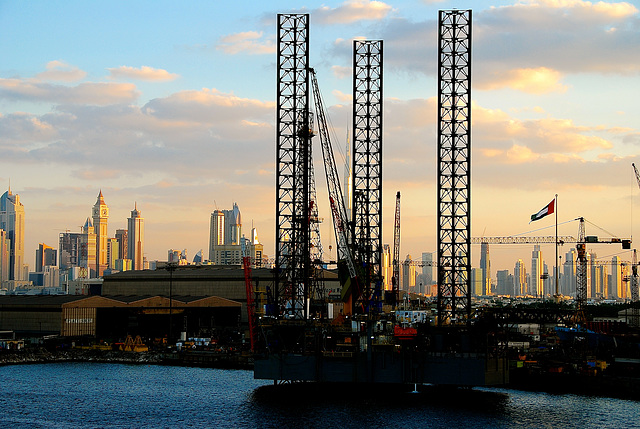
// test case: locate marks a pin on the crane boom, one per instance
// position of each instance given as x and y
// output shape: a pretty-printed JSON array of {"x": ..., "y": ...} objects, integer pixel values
[
  {"x": 396, "y": 252},
  {"x": 523, "y": 240},
  {"x": 335, "y": 191},
  {"x": 637, "y": 174}
]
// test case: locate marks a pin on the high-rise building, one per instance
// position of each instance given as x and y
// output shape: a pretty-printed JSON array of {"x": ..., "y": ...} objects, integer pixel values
[
  {"x": 69, "y": 248},
  {"x": 504, "y": 283},
  {"x": 408, "y": 275},
  {"x": 536, "y": 288},
  {"x": 616, "y": 286},
  {"x": 477, "y": 288},
  {"x": 45, "y": 256},
  {"x": 135, "y": 235},
  {"x": 569, "y": 278},
  {"x": 113, "y": 252},
  {"x": 87, "y": 255},
  {"x": 225, "y": 233},
  {"x": 427, "y": 268},
  {"x": 5, "y": 245},
  {"x": 12, "y": 223},
  {"x": 485, "y": 266},
  {"x": 100, "y": 216},
  {"x": 387, "y": 269},
  {"x": 520, "y": 278},
  {"x": 123, "y": 243}
]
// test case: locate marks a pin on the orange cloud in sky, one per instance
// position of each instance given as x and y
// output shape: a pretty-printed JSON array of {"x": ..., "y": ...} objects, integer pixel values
[
  {"x": 142, "y": 73},
  {"x": 61, "y": 71},
  {"x": 539, "y": 80},
  {"x": 249, "y": 42},
  {"x": 351, "y": 11}
]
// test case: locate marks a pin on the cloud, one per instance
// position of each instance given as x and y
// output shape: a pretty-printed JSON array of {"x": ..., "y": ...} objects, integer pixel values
[
  {"x": 61, "y": 71},
  {"x": 351, "y": 11},
  {"x": 341, "y": 96},
  {"x": 97, "y": 93},
  {"x": 249, "y": 42},
  {"x": 143, "y": 73},
  {"x": 540, "y": 80},
  {"x": 499, "y": 132},
  {"x": 209, "y": 106},
  {"x": 341, "y": 72}
]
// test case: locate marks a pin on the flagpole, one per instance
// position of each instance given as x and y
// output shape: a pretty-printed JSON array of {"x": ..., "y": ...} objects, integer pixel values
[{"x": 555, "y": 203}]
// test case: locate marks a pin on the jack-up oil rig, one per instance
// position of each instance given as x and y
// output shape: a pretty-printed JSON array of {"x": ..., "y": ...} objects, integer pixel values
[{"x": 374, "y": 338}]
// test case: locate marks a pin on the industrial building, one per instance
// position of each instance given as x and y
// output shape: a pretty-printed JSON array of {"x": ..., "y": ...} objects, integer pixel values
[{"x": 115, "y": 317}]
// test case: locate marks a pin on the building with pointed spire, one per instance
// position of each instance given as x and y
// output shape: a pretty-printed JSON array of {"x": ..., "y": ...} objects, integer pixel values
[
  {"x": 135, "y": 236},
  {"x": 12, "y": 223},
  {"x": 100, "y": 216}
]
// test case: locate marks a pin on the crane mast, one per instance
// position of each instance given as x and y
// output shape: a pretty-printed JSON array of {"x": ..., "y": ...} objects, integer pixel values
[
  {"x": 396, "y": 252},
  {"x": 336, "y": 200}
]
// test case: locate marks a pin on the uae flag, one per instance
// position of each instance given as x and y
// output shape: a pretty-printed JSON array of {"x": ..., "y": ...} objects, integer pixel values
[{"x": 546, "y": 210}]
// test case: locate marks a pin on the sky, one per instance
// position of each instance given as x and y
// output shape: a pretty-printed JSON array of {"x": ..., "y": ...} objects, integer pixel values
[{"x": 171, "y": 106}]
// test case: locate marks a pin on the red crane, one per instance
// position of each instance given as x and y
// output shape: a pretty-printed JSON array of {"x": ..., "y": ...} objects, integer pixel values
[{"x": 251, "y": 310}]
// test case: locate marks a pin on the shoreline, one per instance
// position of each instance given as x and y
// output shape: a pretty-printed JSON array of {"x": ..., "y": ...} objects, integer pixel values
[{"x": 199, "y": 359}]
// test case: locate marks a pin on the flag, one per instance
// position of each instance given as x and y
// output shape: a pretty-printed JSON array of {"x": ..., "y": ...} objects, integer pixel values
[{"x": 546, "y": 210}]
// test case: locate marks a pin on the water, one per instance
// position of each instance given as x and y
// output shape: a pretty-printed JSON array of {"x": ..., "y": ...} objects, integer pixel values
[{"x": 91, "y": 395}]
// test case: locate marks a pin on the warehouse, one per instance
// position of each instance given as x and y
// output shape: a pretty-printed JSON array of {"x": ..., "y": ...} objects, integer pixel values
[{"x": 115, "y": 317}]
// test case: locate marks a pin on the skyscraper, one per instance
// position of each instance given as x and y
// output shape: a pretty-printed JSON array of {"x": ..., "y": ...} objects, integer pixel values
[
  {"x": 135, "y": 234},
  {"x": 100, "y": 215},
  {"x": 537, "y": 267},
  {"x": 616, "y": 286},
  {"x": 225, "y": 233},
  {"x": 123, "y": 243},
  {"x": 520, "y": 278},
  {"x": 87, "y": 255},
  {"x": 45, "y": 256},
  {"x": 5, "y": 244},
  {"x": 12, "y": 222},
  {"x": 485, "y": 266},
  {"x": 427, "y": 268}
]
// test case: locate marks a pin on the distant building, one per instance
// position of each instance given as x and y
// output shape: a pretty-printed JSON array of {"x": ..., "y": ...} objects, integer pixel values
[
  {"x": 45, "y": 256},
  {"x": 569, "y": 279},
  {"x": 505, "y": 283},
  {"x": 520, "y": 278},
  {"x": 427, "y": 268},
  {"x": 485, "y": 266},
  {"x": 178, "y": 257},
  {"x": 78, "y": 250},
  {"x": 225, "y": 247},
  {"x": 537, "y": 265},
  {"x": 477, "y": 288},
  {"x": 617, "y": 286},
  {"x": 123, "y": 243},
  {"x": 5, "y": 248},
  {"x": 226, "y": 241},
  {"x": 387, "y": 269},
  {"x": 12, "y": 223},
  {"x": 113, "y": 252},
  {"x": 198, "y": 258},
  {"x": 87, "y": 256},
  {"x": 408, "y": 275},
  {"x": 135, "y": 235},
  {"x": 100, "y": 216}
]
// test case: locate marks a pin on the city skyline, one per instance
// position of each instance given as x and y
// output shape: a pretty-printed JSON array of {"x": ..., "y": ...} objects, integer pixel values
[{"x": 152, "y": 116}]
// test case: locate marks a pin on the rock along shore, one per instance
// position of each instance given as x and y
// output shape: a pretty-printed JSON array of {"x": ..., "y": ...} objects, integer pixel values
[{"x": 211, "y": 360}]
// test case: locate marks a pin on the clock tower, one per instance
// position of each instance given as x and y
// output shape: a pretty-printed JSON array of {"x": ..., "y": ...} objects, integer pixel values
[{"x": 100, "y": 214}]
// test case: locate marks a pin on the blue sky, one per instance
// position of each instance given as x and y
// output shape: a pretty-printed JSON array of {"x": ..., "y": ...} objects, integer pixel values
[{"x": 172, "y": 105}]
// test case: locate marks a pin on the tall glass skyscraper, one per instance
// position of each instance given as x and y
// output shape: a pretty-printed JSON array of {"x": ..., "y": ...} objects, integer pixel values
[
  {"x": 135, "y": 235},
  {"x": 12, "y": 223}
]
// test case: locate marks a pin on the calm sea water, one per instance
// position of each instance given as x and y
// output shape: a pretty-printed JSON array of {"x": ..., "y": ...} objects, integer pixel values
[{"x": 91, "y": 395}]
